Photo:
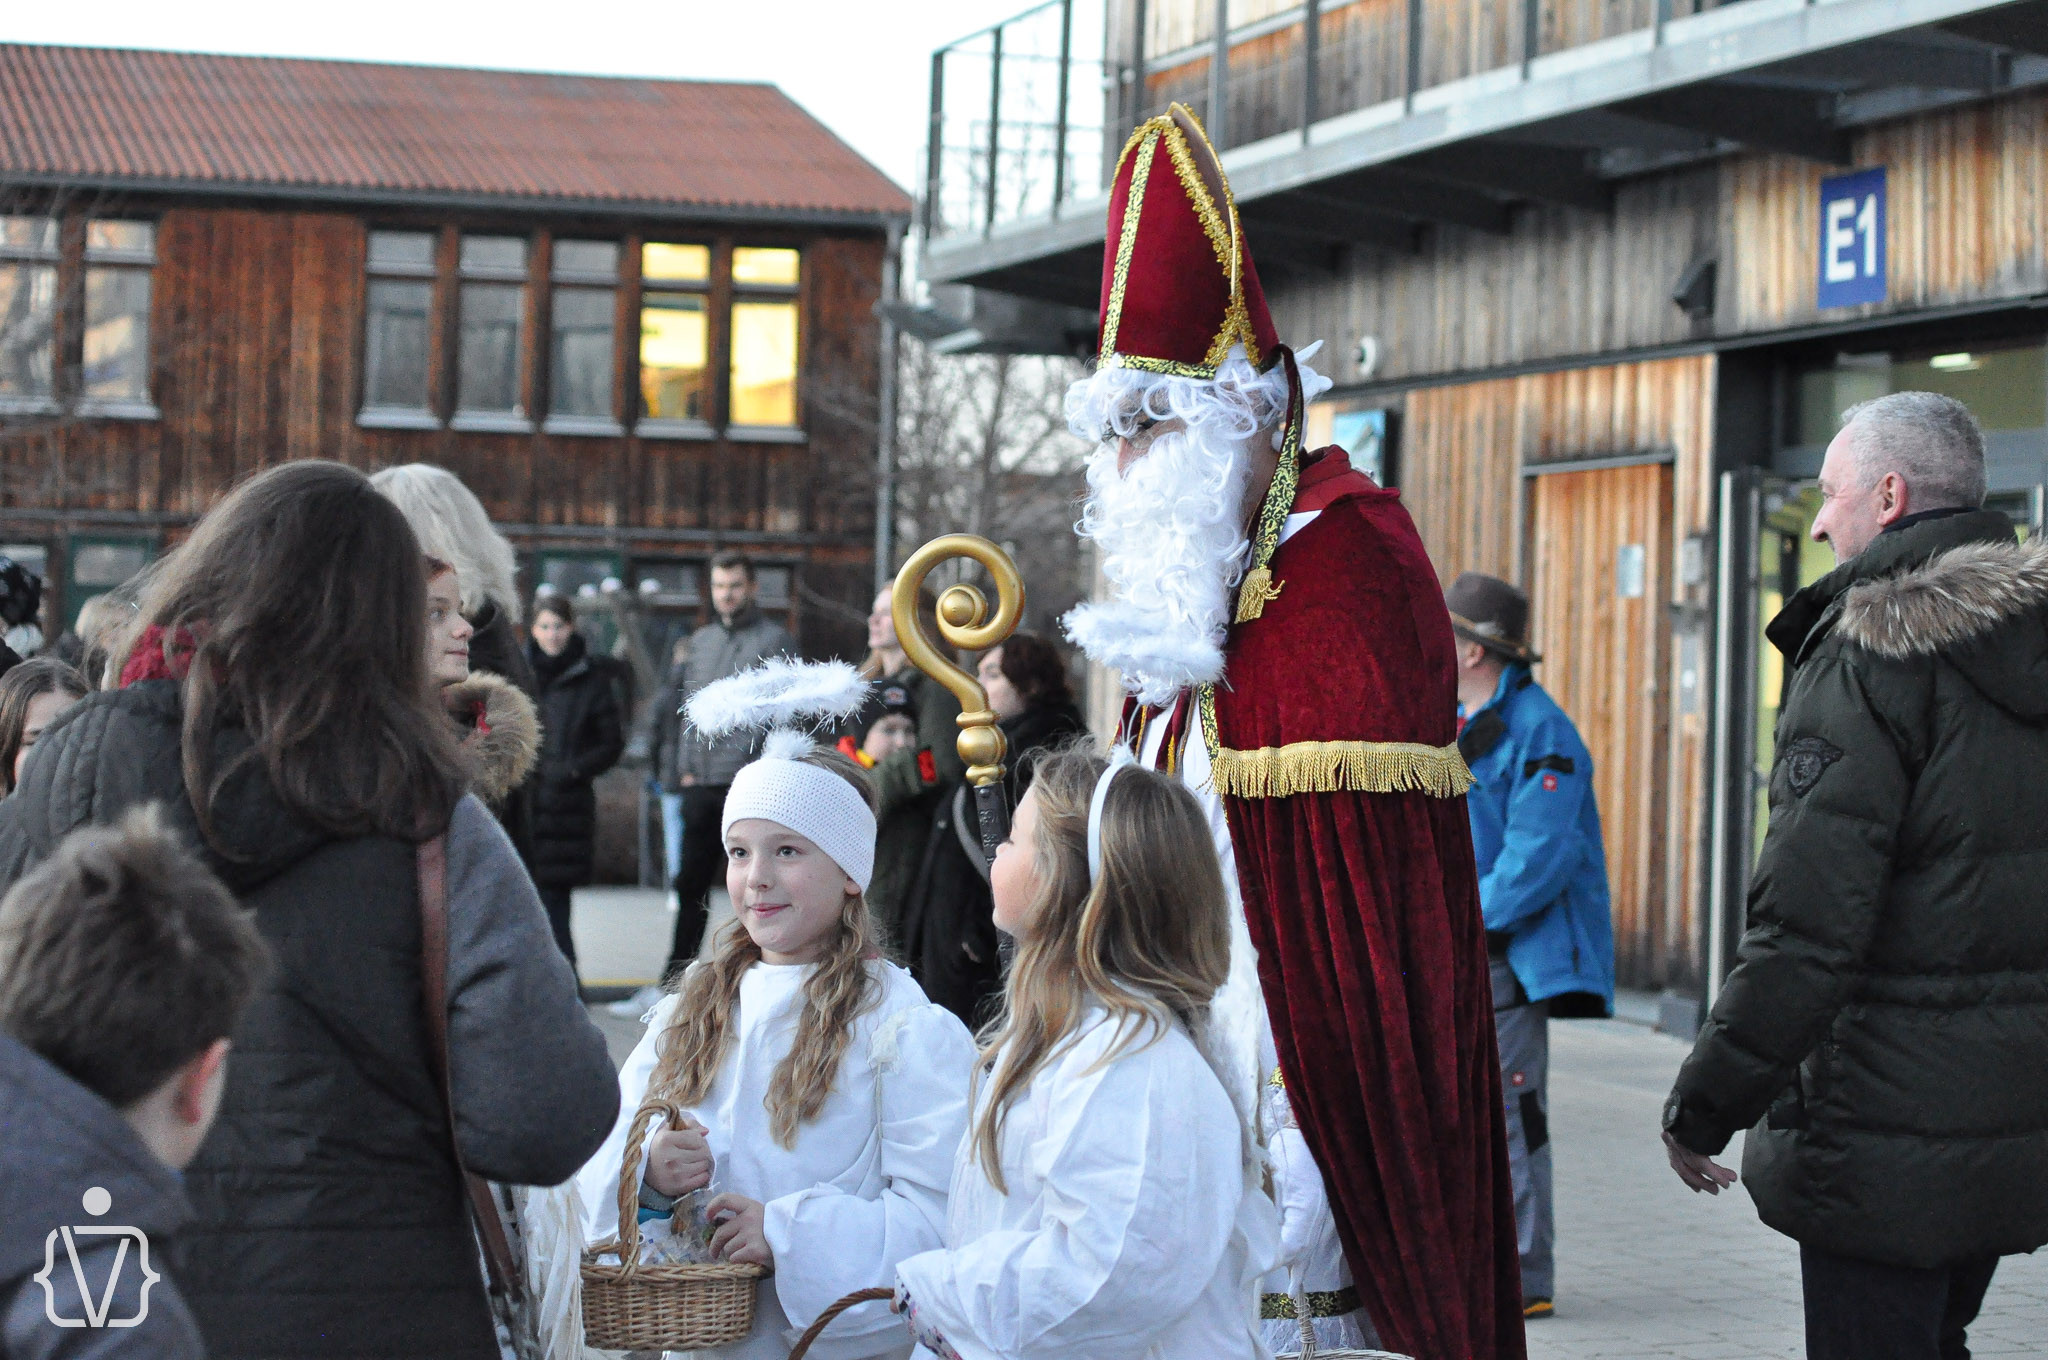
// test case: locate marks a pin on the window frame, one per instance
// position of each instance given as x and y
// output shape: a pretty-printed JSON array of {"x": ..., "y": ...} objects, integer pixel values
[
  {"x": 529, "y": 279},
  {"x": 573, "y": 280},
  {"x": 792, "y": 293},
  {"x": 50, "y": 257},
  {"x": 428, "y": 416},
  {"x": 680, "y": 427}
]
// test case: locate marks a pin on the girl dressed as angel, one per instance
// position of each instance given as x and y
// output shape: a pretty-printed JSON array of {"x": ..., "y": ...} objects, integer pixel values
[
  {"x": 1107, "y": 1201},
  {"x": 824, "y": 1094}
]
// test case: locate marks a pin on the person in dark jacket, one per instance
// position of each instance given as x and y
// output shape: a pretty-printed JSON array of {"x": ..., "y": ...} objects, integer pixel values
[
  {"x": 329, "y": 1218},
  {"x": 1883, "y": 1034},
  {"x": 886, "y": 725},
  {"x": 583, "y": 733},
  {"x": 740, "y": 636},
  {"x": 957, "y": 958},
  {"x": 1542, "y": 885},
  {"x": 124, "y": 967}
]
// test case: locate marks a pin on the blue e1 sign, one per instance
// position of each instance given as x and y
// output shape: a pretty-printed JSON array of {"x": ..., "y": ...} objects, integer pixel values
[{"x": 1852, "y": 239}]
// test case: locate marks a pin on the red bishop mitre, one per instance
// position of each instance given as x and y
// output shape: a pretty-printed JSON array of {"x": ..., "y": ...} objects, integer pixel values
[{"x": 1178, "y": 286}]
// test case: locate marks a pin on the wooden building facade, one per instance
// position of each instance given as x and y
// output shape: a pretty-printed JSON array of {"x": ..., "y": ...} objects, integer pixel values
[
  {"x": 636, "y": 317},
  {"x": 1594, "y": 281}
]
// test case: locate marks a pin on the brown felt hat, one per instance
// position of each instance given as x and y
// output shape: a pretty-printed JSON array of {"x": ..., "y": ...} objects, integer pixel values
[{"x": 1492, "y": 613}]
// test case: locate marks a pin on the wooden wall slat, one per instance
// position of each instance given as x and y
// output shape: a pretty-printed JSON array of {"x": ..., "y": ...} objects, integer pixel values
[{"x": 1613, "y": 664}]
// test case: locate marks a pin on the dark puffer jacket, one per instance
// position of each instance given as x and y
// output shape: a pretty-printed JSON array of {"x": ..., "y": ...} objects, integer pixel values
[
  {"x": 328, "y": 1218},
  {"x": 1888, "y": 1020},
  {"x": 582, "y": 735}
]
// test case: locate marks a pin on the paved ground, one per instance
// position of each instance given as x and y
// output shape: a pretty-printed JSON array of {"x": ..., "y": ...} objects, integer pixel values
[{"x": 1647, "y": 1270}]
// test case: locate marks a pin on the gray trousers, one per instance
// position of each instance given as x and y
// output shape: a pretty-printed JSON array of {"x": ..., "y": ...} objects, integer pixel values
[{"x": 1522, "y": 1029}]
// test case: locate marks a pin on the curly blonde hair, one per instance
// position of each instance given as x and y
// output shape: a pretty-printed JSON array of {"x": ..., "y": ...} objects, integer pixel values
[{"x": 835, "y": 995}]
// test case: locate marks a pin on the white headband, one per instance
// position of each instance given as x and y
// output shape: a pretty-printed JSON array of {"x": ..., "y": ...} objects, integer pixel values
[
  {"x": 815, "y": 803},
  {"x": 1119, "y": 757}
]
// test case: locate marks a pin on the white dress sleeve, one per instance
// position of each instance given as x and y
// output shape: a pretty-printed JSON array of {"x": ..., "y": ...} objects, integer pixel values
[
  {"x": 597, "y": 1184},
  {"x": 1130, "y": 1227},
  {"x": 828, "y": 1243}
]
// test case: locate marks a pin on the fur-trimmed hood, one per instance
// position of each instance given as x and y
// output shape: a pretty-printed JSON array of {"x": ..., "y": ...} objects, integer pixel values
[
  {"x": 1982, "y": 607},
  {"x": 501, "y": 733}
]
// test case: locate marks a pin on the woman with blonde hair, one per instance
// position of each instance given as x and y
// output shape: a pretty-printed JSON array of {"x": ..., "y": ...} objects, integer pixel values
[
  {"x": 1107, "y": 1199},
  {"x": 823, "y": 1096},
  {"x": 453, "y": 527}
]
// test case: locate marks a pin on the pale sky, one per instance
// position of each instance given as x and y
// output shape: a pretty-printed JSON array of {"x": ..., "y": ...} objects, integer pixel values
[{"x": 861, "y": 69}]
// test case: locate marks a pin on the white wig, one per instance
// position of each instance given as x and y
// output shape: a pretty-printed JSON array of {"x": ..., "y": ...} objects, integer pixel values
[
  {"x": 450, "y": 523},
  {"x": 1236, "y": 404}
]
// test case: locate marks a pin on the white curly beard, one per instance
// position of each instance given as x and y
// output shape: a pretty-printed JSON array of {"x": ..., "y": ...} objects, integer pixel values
[{"x": 1173, "y": 548}]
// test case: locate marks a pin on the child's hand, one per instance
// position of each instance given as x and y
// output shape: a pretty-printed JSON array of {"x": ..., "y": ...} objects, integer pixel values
[
  {"x": 679, "y": 1160},
  {"x": 742, "y": 1236}
]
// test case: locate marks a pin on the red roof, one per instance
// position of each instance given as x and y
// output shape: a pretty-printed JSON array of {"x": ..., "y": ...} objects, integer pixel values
[{"x": 115, "y": 116}]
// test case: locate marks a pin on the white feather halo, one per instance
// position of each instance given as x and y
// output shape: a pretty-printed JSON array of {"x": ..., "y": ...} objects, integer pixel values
[{"x": 778, "y": 693}]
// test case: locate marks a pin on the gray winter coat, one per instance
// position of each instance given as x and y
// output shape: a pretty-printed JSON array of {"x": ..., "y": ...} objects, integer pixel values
[
  {"x": 717, "y": 651},
  {"x": 60, "y": 1141},
  {"x": 1888, "y": 1020}
]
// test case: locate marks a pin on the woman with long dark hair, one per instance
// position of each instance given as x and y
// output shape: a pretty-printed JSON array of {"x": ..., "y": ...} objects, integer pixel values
[
  {"x": 583, "y": 732},
  {"x": 32, "y": 696},
  {"x": 276, "y": 699}
]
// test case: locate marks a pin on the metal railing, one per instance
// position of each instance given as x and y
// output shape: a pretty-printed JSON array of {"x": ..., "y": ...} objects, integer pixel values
[{"x": 1028, "y": 116}]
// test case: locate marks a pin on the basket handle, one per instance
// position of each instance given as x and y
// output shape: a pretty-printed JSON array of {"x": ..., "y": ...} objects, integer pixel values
[
  {"x": 628, "y": 1239},
  {"x": 803, "y": 1343}
]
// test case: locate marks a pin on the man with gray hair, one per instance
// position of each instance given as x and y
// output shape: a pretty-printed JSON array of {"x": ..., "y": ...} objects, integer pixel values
[{"x": 1884, "y": 1036}]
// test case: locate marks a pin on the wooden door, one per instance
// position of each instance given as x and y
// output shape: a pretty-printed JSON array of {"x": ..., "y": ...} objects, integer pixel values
[{"x": 1599, "y": 554}]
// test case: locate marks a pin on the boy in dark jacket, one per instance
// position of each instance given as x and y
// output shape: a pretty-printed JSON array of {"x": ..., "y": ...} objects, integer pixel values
[{"x": 124, "y": 965}]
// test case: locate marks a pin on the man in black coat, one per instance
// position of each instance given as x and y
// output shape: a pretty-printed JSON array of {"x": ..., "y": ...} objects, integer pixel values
[{"x": 1886, "y": 1027}]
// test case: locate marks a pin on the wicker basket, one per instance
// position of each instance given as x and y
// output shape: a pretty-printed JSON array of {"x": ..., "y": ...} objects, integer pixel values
[{"x": 631, "y": 1306}]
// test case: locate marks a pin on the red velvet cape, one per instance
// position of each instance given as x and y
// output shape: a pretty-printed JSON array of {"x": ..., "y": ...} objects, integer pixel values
[{"x": 1364, "y": 908}]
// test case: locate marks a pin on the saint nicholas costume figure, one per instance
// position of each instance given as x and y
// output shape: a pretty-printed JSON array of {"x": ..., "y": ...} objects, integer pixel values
[{"x": 1286, "y": 648}]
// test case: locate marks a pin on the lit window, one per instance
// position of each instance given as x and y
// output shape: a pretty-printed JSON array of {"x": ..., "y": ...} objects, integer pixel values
[
  {"x": 492, "y": 310},
  {"x": 586, "y": 275},
  {"x": 765, "y": 337},
  {"x": 119, "y": 257},
  {"x": 398, "y": 324},
  {"x": 675, "y": 332},
  {"x": 28, "y": 311}
]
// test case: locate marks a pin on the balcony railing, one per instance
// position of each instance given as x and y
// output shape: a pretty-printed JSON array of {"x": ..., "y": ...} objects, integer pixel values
[{"x": 1028, "y": 116}]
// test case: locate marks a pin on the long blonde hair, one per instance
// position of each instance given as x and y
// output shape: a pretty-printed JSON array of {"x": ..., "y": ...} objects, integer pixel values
[
  {"x": 1149, "y": 941},
  {"x": 835, "y": 995}
]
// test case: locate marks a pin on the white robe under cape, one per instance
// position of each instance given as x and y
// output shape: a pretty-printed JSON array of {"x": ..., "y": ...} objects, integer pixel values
[
  {"x": 1130, "y": 1230},
  {"x": 865, "y": 1185}
]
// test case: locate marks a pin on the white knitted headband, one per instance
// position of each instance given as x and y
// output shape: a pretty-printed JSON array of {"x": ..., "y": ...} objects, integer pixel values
[
  {"x": 815, "y": 803},
  {"x": 1119, "y": 757}
]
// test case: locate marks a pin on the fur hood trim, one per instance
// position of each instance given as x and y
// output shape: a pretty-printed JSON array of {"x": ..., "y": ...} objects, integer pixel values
[
  {"x": 501, "y": 733},
  {"x": 1956, "y": 596}
]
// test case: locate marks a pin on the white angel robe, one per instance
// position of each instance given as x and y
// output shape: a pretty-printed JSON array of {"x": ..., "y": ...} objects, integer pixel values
[
  {"x": 1131, "y": 1229},
  {"x": 865, "y": 1185}
]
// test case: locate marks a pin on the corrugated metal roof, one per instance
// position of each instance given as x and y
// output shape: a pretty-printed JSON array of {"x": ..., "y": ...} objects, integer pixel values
[{"x": 108, "y": 115}]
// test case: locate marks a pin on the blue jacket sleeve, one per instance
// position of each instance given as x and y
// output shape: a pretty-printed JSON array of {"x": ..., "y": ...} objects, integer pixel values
[{"x": 1550, "y": 777}]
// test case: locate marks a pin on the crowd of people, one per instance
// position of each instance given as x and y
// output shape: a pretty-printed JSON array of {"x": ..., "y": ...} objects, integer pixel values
[{"x": 1237, "y": 1046}]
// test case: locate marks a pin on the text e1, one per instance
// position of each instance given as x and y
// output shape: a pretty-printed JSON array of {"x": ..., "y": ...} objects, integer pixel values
[{"x": 1852, "y": 235}]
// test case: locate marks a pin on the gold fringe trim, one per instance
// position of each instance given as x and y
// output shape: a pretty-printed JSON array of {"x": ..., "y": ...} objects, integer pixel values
[
  {"x": 1346, "y": 766},
  {"x": 1255, "y": 594}
]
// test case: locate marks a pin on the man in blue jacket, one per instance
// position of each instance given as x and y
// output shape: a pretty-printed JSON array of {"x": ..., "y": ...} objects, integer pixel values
[{"x": 1542, "y": 884}]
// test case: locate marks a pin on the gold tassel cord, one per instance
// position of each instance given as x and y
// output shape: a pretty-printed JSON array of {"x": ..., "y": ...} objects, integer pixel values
[
  {"x": 1255, "y": 594},
  {"x": 1341, "y": 766}
]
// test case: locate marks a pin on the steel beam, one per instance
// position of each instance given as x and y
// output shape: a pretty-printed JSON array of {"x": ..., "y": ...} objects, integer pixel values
[
  {"x": 1393, "y": 194},
  {"x": 1314, "y": 220},
  {"x": 2023, "y": 28},
  {"x": 1759, "y": 116},
  {"x": 1542, "y": 174}
]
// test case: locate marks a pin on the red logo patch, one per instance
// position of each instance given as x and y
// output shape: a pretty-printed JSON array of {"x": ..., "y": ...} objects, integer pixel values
[
  {"x": 1550, "y": 783},
  {"x": 1517, "y": 1080}
]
